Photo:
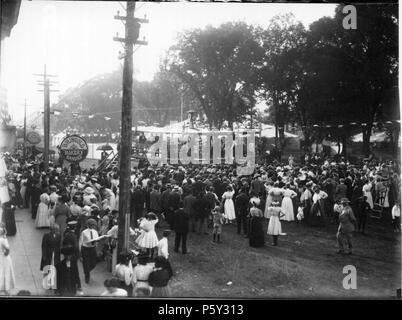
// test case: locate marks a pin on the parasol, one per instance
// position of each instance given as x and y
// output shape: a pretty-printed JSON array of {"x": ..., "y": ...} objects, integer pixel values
[{"x": 104, "y": 147}]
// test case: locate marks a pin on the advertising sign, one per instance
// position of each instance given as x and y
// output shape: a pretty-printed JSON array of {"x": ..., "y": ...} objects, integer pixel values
[
  {"x": 33, "y": 137},
  {"x": 73, "y": 148}
]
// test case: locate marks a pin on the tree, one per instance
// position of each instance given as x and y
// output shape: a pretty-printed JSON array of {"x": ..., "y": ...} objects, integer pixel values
[
  {"x": 218, "y": 64},
  {"x": 281, "y": 73},
  {"x": 355, "y": 70}
]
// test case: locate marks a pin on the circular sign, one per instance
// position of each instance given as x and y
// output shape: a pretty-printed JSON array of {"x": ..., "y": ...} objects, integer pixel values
[
  {"x": 73, "y": 148},
  {"x": 33, "y": 137}
]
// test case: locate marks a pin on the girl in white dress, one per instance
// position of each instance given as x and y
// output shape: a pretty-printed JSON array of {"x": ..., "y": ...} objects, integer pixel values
[
  {"x": 287, "y": 204},
  {"x": 274, "y": 226},
  {"x": 148, "y": 239},
  {"x": 367, "y": 192},
  {"x": 7, "y": 278},
  {"x": 42, "y": 215},
  {"x": 229, "y": 208}
]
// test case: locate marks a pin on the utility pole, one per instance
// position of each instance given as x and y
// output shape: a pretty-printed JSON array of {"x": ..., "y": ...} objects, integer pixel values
[
  {"x": 46, "y": 113},
  {"x": 132, "y": 29},
  {"x": 25, "y": 131}
]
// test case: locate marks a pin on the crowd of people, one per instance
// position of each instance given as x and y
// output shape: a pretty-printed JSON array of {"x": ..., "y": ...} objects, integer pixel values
[{"x": 80, "y": 208}]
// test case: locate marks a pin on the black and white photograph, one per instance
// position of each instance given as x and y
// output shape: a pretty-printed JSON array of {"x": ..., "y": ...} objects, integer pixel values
[{"x": 184, "y": 149}]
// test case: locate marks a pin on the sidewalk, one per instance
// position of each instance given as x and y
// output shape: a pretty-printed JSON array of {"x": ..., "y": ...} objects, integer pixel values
[{"x": 25, "y": 252}]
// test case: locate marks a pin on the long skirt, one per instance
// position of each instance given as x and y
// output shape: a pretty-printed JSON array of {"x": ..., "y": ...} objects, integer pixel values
[
  {"x": 287, "y": 209},
  {"x": 42, "y": 216},
  {"x": 23, "y": 191},
  {"x": 7, "y": 277},
  {"x": 147, "y": 239},
  {"x": 160, "y": 292},
  {"x": 256, "y": 234},
  {"x": 230, "y": 209},
  {"x": 274, "y": 226}
]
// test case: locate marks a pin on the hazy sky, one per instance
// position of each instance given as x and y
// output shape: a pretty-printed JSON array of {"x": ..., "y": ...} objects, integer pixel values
[{"x": 75, "y": 39}]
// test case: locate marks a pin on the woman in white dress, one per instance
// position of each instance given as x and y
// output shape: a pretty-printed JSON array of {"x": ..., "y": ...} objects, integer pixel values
[
  {"x": 7, "y": 278},
  {"x": 229, "y": 209},
  {"x": 23, "y": 191},
  {"x": 287, "y": 203},
  {"x": 274, "y": 226},
  {"x": 148, "y": 239},
  {"x": 268, "y": 187},
  {"x": 42, "y": 215},
  {"x": 367, "y": 192}
]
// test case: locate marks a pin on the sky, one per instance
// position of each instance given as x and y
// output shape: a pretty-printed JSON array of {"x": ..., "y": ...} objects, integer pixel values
[{"x": 75, "y": 40}]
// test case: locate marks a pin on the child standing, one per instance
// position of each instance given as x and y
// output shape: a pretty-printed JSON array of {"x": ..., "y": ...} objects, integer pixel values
[
  {"x": 274, "y": 226},
  {"x": 217, "y": 219},
  {"x": 148, "y": 240},
  {"x": 300, "y": 213},
  {"x": 396, "y": 217},
  {"x": 163, "y": 245}
]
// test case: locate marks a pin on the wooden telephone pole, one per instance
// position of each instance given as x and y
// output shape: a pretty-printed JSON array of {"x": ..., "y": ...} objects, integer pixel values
[
  {"x": 24, "y": 148},
  {"x": 132, "y": 29},
  {"x": 46, "y": 83}
]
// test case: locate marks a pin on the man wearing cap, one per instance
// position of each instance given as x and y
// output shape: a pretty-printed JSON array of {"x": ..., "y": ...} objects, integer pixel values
[
  {"x": 88, "y": 248},
  {"x": 346, "y": 226}
]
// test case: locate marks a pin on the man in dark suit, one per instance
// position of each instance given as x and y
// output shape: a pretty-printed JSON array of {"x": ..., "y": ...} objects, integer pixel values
[
  {"x": 180, "y": 226},
  {"x": 257, "y": 185},
  {"x": 155, "y": 200},
  {"x": 51, "y": 243},
  {"x": 137, "y": 204},
  {"x": 165, "y": 198},
  {"x": 201, "y": 207},
  {"x": 188, "y": 203},
  {"x": 242, "y": 201},
  {"x": 174, "y": 203}
]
